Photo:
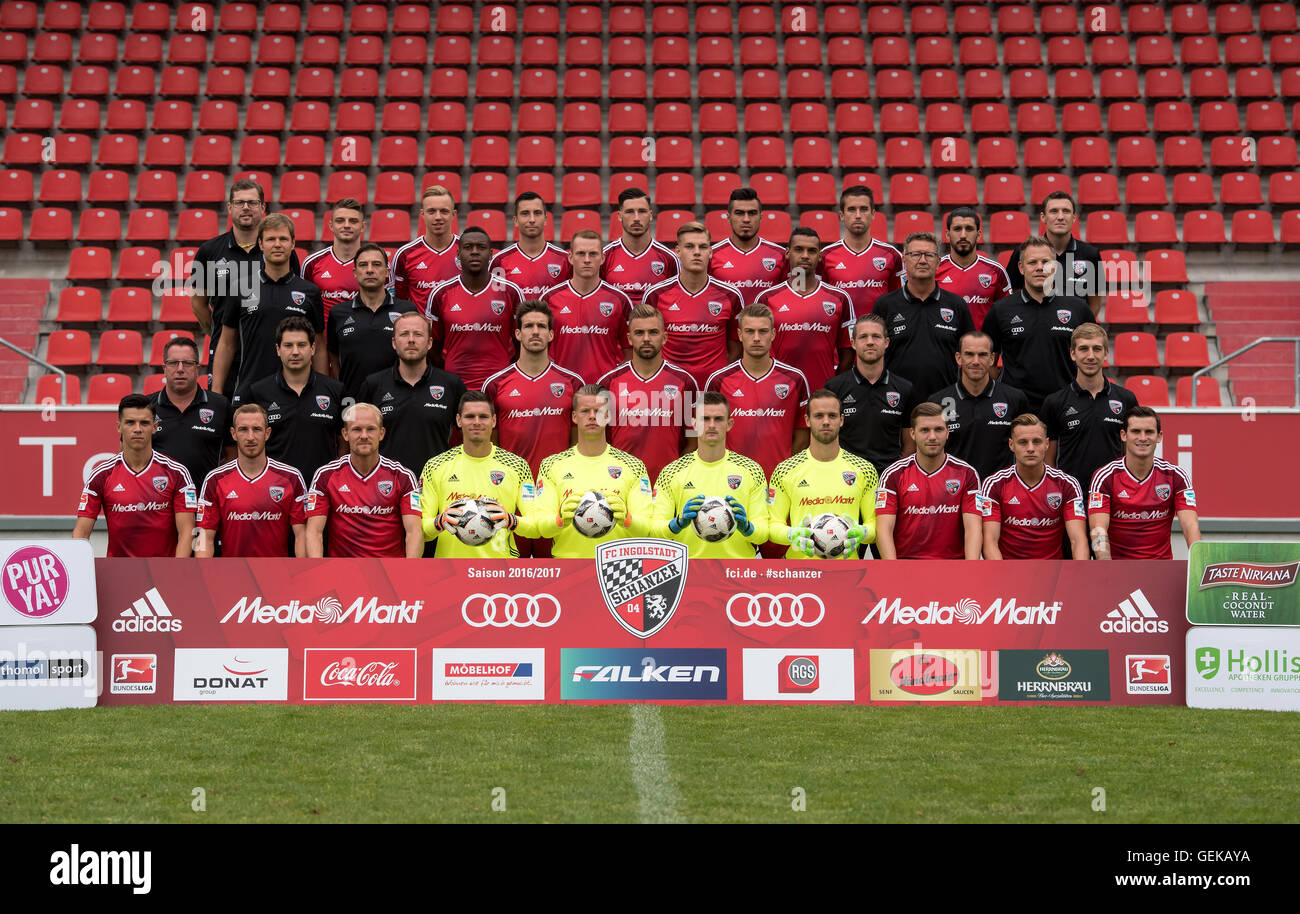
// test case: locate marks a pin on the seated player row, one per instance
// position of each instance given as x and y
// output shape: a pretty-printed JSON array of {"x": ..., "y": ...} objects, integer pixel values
[{"x": 474, "y": 498}]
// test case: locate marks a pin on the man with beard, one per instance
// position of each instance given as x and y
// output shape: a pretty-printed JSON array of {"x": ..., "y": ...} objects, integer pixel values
[
  {"x": 743, "y": 259},
  {"x": 635, "y": 262},
  {"x": 864, "y": 267},
  {"x": 360, "y": 330},
  {"x": 965, "y": 271},
  {"x": 532, "y": 263}
]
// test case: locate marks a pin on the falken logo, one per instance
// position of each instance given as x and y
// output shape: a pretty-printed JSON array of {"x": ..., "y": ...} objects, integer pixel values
[
  {"x": 148, "y": 614},
  {"x": 326, "y": 610},
  {"x": 965, "y": 611},
  {"x": 1134, "y": 616}
]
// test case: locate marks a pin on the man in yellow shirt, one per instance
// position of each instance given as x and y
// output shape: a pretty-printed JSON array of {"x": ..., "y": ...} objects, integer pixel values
[
  {"x": 822, "y": 479},
  {"x": 591, "y": 465},
  {"x": 712, "y": 470},
  {"x": 480, "y": 470}
]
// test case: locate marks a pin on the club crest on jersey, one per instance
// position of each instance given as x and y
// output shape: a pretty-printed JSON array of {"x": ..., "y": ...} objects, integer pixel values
[
  {"x": 323, "y": 402},
  {"x": 160, "y": 483},
  {"x": 436, "y": 391},
  {"x": 733, "y": 482},
  {"x": 986, "y": 280},
  {"x": 892, "y": 398},
  {"x": 769, "y": 263},
  {"x": 1063, "y": 316},
  {"x": 393, "y": 316},
  {"x": 1116, "y": 407},
  {"x": 606, "y": 308},
  {"x": 781, "y": 391},
  {"x": 715, "y": 308},
  {"x": 497, "y": 477},
  {"x": 205, "y": 416},
  {"x": 999, "y": 410},
  {"x": 671, "y": 390},
  {"x": 657, "y": 267},
  {"x": 952, "y": 485},
  {"x": 1080, "y": 268},
  {"x": 615, "y": 472},
  {"x": 1053, "y": 500},
  {"x": 298, "y": 297},
  {"x": 879, "y": 262},
  {"x": 276, "y": 492},
  {"x": 553, "y": 269},
  {"x": 946, "y": 314},
  {"x": 557, "y": 390},
  {"x": 1162, "y": 492},
  {"x": 850, "y": 477},
  {"x": 385, "y": 487},
  {"x": 641, "y": 581},
  {"x": 829, "y": 308},
  {"x": 498, "y": 306}
]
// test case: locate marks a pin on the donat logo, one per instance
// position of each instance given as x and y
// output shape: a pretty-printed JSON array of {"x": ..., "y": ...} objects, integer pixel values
[{"x": 641, "y": 581}]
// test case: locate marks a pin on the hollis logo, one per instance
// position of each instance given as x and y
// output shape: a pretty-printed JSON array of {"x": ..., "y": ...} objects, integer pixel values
[
  {"x": 359, "y": 674},
  {"x": 641, "y": 581},
  {"x": 147, "y": 614},
  {"x": 1207, "y": 662},
  {"x": 797, "y": 673},
  {"x": 693, "y": 673}
]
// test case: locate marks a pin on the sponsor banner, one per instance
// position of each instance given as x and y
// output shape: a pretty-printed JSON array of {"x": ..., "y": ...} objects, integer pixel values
[
  {"x": 47, "y": 582},
  {"x": 1243, "y": 584},
  {"x": 231, "y": 674},
  {"x": 926, "y": 674},
  {"x": 1148, "y": 674},
  {"x": 1255, "y": 668},
  {"x": 656, "y": 674},
  {"x": 133, "y": 674},
  {"x": 156, "y": 606},
  {"x": 489, "y": 674},
  {"x": 359, "y": 674},
  {"x": 43, "y": 667},
  {"x": 1053, "y": 675},
  {"x": 797, "y": 675}
]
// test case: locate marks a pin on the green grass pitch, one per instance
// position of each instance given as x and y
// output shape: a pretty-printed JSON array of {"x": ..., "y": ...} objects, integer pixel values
[{"x": 622, "y": 763}]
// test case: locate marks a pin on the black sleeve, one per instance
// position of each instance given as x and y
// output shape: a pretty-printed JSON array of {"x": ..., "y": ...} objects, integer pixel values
[
  {"x": 967, "y": 322},
  {"x": 1016, "y": 278},
  {"x": 332, "y": 333},
  {"x": 317, "y": 314},
  {"x": 992, "y": 328},
  {"x": 229, "y": 309},
  {"x": 1049, "y": 415}
]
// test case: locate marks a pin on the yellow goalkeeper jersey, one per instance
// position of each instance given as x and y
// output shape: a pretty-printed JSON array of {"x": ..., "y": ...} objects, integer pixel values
[
  {"x": 611, "y": 472},
  {"x": 803, "y": 486},
  {"x": 734, "y": 475},
  {"x": 501, "y": 476}
]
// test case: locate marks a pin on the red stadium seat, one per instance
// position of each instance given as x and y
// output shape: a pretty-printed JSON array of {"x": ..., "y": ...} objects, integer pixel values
[
  {"x": 49, "y": 389},
  {"x": 950, "y": 152},
  {"x": 56, "y": 187},
  {"x": 1136, "y": 350},
  {"x": 852, "y": 52},
  {"x": 299, "y": 188},
  {"x": 1004, "y": 190},
  {"x": 1183, "y": 152},
  {"x": 487, "y": 188},
  {"x": 957, "y": 190},
  {"x": 858, "y": 153},
  {"x": 991, "y": 118},
  {"x": 1199, "y": 51},
  {"x": 996, "y": 153},
  {"x": 1007, "y": 227},
  {"x": 1252, "y": 227},
  {"x": 1186, "y": 350},
  {"x": 581, "y": 152},
  {"x": 194, "y": 226},
  {"x": 79, "y": 305},
  {"x": 147, "y": 225},
  {"x": 1155, "y": 51},
  {"x": 900, "y": 118},
  {"x": 978, "y": 51},
  {"x": 1176, "y": 307},
  {"x": 1208, "y": 82},
  {"x": 809, "y": 117},
  {"x": 1126, "y": 308},
  {"x": 1149, "y": 389},
  {"x": 130, "y": 305},
  {"x": 17, "y": 186},
  {"x": 93, "y": 225},
  {"x": 11, "y": 226},
  {"x": 758, "y": 20},
  {"x": 89, "y": 264},
  {"x": 1167, "y": 267},
  {"x": 907, "y": 222},
  {"x": 983, "y": 83},
  {"x": 1284, "y": 188},
  {"x": 126, "y": 114},
  {"x": 1035, "y": 117},
  {"x": 1098, "y": 190},
  {"x": 1208, "y": 392},
  {"x": 1110, "y": 51},
  {"x": 1044, "y": 153},
  {"x": 765, "y": 84},
  {"x": 1145, "y": 189},
  {"x": 675, "y": 190},
  {"x": 120, "y": 347},
  {"x": 69, "y": 348},
  {"x": 1240, "y": 189},
  {"x": 624, "y": 180},
  {"x": 1204, "y": 227},
  {"x": 139, "y": 264},
  {"x": 1248, "y": 50},
  {"x": 1074, "y": 83},
  {"x": 54, "y": 224},
  {"x": 854, "y": 119},
  {"x": 812, "y": 190},
  {"x": 718, "y": 187},
  {"x": 1136, "y": 152},
  {"x": 576, "y": 220},
  {"x": 1079, "y": 117}
]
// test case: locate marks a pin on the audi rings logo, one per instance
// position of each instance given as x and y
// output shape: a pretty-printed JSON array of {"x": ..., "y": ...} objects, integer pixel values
[
  {"x": 502, "y": 610},
  {"x": 784, "y": 610}
]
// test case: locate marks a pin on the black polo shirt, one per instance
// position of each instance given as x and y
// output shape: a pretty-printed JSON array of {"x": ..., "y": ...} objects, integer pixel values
[
  {"x": 874, "y": 414},
  {"x": 1080, "y": 270},
  {"x": 363, "y": 339},
  {"x": 1033, "y": 339},
  {"x": 304, "y": 429},
  {"x": 258, "y": 314},
  {"x": 1086, "y": 428},
  {"x": 214, "y": 273},
  {"x": 418, "y": 418},
  {"x": 194, "y": 438},
  {"x": 980, "y": 424},
  {"x": 924, "y": 335}
]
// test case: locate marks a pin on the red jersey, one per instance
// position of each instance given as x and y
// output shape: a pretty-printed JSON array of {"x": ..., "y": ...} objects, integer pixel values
[
  {"x": 253, "y": 517},
  {"x": 532, "y": 275},
  {"x": 699, "y": 324},
  {"x": 928, "y": 507},
  {"x": 1141, "y": 511},
  {"x": 749, "y": 271},
  {"x": 336, "y": 279},
  {"x": 810, "y": 329},
  {"x": 477, "y": 329},
  {"x": 534, "y": 415},
  {"x": 766, "y": 410},
  {"x": 634, "y": 274},
  {"x": 416, "y": 268},
  {"x": 864, "y": 276},
  {"x": 591, "y": 329},
  {"x": 363, "y": 514},
  {"x": 139, "y": 508},
  {"x": 651, "y": 415},
  {"x": 1032, "y": 518},
  {"x": 980, "y": 284}
]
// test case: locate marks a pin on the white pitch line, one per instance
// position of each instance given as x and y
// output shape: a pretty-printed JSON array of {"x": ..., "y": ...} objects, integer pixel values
[{"x": 656, "y": 792}]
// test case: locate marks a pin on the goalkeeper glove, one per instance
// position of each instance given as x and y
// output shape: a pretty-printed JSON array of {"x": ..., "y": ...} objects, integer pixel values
[
  {"x": 801, "y": 537},
  {"x": 448, "y": 518},
  {"x": 853, "y": 542},
  {"x": 567, "y": 510},
  {"x": 499, "y": 515},
  {"x": 743, "y": 523},
  {"x": 689, "y": 510},
  {"x": 617, "y": 506}
]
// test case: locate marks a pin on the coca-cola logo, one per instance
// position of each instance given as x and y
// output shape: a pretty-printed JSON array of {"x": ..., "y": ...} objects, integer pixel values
[{"x": 359, "y": 674}]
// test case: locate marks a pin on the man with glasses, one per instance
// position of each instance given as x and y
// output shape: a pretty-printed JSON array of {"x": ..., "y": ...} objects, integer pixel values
[
  {"x": 227, "y": 265},
  {"x": 924, "y": 322},
  {"x": 193, "y": 424}
]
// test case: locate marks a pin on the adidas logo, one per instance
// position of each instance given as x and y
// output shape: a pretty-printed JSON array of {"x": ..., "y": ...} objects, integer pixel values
[
  {"x": 344, "y": 488},
  {"x": 689, "y": 485},
  {"x": 1123, "y": 493},
  {"x": 947, "y": 279},
  {"x": 673, "y": 307},
  {"x": 840, "y": 266},
  {"x": 453, "y": 478},
  {"x": 1134, "y": 616},
  {"x": 348, "y": 321},
  {"x": 803, "y": 484},
  {"x": 898, "y": 318},
  {"x": 273, "y": 405},
  {"x": 325, "y": 275},
  {"x": 118, "y": 488},
  {"x": 913, "y": 488},
  {"x": 147, "y": 614},
  {"x": 618, "y": 268},
  {"x": 385, "y": 398},
  {"x": 1013, "y": 500},
  {"x": 422, "y": 265},
  {"x": 455, "y": 308},
  {"x": 1016, "y": 319},
  {"x": 233, "y": 495},
  {"x": 850, "y": 399},
  {"x": 1071, "y": 411},
  {"x": 728, "y": 265},
  {"x": 565, "y": 310},
  {"x": 567, "y": 476},
  {"x": 514, "y": 393},
  {"x": 783, "y": 308},
  {"x": 737, "y": 392},
  {"x": 516, "y": 271}
]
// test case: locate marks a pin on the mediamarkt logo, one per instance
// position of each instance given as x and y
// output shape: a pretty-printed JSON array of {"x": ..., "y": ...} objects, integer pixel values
[
  {"x": 326, "y": 609},
  {"x": 965, "y": 612},
  {"x": 1249, "y": 574}
]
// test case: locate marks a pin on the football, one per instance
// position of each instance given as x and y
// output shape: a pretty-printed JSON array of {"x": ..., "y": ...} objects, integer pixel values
[
  {"x": 593, "y": 516},
  {"x": 829, "y": 533},
  {"x": 714, "y": 522},
  {"x": 475, "y": 527}
]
